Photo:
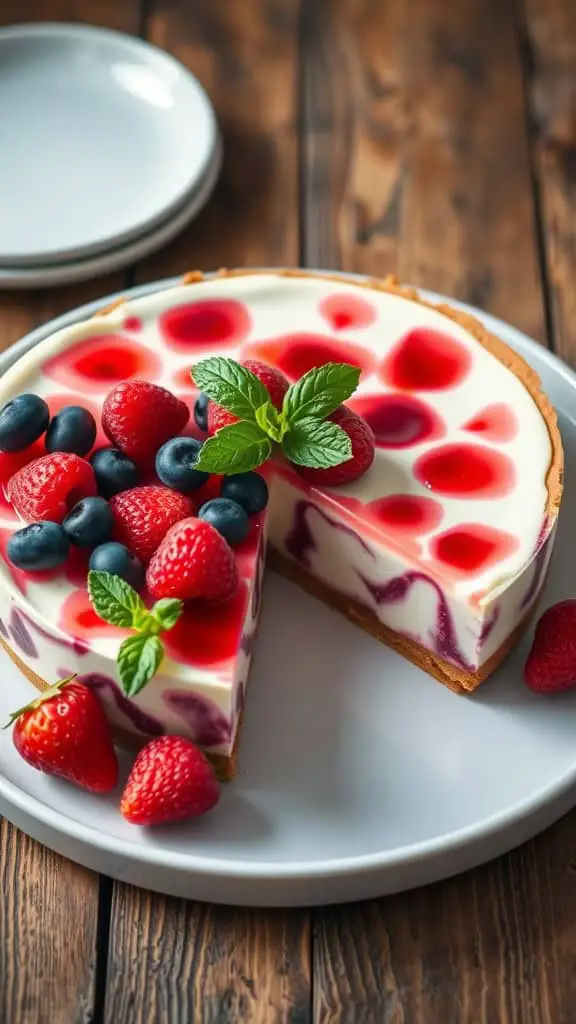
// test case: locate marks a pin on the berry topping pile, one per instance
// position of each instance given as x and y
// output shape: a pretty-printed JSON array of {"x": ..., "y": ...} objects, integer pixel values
[{"x": 158, "y": 512}]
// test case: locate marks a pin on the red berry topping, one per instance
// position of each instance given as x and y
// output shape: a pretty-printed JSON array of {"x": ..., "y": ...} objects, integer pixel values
[
  {"x": 193, "y": 560},
  {"x": 139, "y": 417},
  {"x": 143, "y": 516},
  {"x": 65, "y": 733},
  {"x": 274, "y": 381},
  {"x": 551, "y": 665},
  {"x": 50, "y": 486},
  {"x": 171, "y": 780},
  {"x": 363, "y": 446}
]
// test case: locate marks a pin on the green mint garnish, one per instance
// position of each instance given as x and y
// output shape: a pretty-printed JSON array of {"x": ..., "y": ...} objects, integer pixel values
[
  {"x": 320, "y": 391},
  {"x": 233, "y": 386},
  {"x": 316, "y": 443},
  {"x": 300, "y": 428},
  {"x": 139, "y": 656},
  {"x": 235, "y": 449}
]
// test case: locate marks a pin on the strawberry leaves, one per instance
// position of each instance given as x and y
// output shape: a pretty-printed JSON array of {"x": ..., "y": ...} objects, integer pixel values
[
  {"x": 139, "y": 657},
  {"x": 299, "y": 427}
]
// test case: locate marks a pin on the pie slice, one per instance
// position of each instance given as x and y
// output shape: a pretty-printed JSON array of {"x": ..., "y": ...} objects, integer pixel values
[{"x": 440, "y": 550}]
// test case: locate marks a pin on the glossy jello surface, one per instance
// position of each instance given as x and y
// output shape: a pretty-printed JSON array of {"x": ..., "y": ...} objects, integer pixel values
[{"x": 458, "y": 495}]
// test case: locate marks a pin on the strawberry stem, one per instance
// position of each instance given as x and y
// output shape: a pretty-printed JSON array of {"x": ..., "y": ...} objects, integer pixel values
[{"x": 51, "y": 691}]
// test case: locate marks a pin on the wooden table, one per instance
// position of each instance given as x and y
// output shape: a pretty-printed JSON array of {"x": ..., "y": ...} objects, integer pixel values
[{"x": 436, "y": 139}]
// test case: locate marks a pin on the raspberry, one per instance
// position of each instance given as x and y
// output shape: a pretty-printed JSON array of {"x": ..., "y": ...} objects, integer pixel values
[
  {"x": 139, "y": 417},
  {"x": 363, "y": 447},
  {"x": 143, "y": 515},
  {"x": 193, "y": 561},
  {"x": 50, "y": 486},
  {"x": 274, "y": 381}
]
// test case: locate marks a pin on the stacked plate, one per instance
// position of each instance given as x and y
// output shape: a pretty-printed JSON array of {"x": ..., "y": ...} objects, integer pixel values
[{"x": 109, "y": 148}]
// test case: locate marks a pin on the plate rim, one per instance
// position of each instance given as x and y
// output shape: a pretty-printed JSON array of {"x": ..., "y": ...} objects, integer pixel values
[
  {"x": 551, "y": 795},
  {"x": 136, "y": 249},
  {"x": 164, "y": 61}
]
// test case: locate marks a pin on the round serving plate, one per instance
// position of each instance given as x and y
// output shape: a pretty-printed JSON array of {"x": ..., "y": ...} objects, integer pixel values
[
  {"x": 103, "y": 137},
  {"x": 359, "y": 775},
  {"x": 131, "y": 252}
]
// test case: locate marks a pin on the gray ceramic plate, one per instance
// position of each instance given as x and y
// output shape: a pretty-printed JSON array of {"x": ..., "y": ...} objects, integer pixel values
[
  {"x": 359, "y": 775},
  {"x": 102, "y": 136}
]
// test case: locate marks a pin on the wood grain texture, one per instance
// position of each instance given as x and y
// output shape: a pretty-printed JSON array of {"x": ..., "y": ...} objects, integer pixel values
[
  {"x": 47, "y": 965},
  {"x": 172, "y": 961},
  {"x": 49, "y": 914},
  {"x": 415, "y": 150},
  {"x": 245, "y": 56},
  {"x": 490, "y": 947},
  {"x": 551, "y": 78}
]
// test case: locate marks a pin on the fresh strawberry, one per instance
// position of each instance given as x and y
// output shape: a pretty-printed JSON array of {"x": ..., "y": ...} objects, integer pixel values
[
  {"x": 171, "y": 780},
  {"x": 193, "y": 560},
  {"x": 551, "y": 664},
  {"x": 274, "y": 381},
  {"x": 50, "y": 486},
  {"x": 139, "y": 417},
  {"x": 65, "y": 733},
  {"x": 363, "y": 448},
  {"x": 143, "y": 516}
]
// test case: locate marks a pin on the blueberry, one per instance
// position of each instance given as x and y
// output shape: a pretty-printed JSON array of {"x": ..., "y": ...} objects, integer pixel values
[
  {"x": 118, "y": 560},
  {"x": 228, "y": 517},
  {"x": 22, "y": 421},
  {"x": 248, "y": 489},
  {"x": 89, "y": 523},
  {"x": 38, "y": 546},
  {"x": 175, "y": 464},
  {"x": 114, "y": 471},
  {"x": 73, "y": 429},
  {"x": 201, "y": 411}
]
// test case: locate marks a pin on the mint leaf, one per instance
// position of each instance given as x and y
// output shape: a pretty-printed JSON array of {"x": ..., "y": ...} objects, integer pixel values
[
  {"x": 116, "y": 601},
  {"x": 235, "y": 449},
  {"x": 139, "y": 657},
  {"x": 318, "y": 445},
  {"x": 271, "y": 422},
  {"x": 166, "y": 612},
  {"x": 233, "y": 386},
  {"x": 320, "y": 391}
]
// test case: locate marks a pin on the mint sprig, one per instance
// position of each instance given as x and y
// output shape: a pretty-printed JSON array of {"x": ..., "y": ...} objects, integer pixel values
[
  {"x": 299, "y": 428},
  {"x": 316, "y": 443},
  {"x": 139, "y": 657},
  {"x": 233, "y": 386},
  {"x": 320, "y": 391}
]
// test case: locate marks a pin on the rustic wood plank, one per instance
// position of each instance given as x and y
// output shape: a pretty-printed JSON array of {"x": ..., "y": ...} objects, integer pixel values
[
  {"x": 172, "y": 961},
  {"x": 244, "y": 55},
  {"x": 44, "y": 976},
  {"x": 551, "y": 60},
  {"x": 490, "y": 947},
  {"x": 416, "y": 153}
]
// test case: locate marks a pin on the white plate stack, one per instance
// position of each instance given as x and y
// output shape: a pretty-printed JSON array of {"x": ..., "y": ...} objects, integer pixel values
[{"x": 109, "y": 147}]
